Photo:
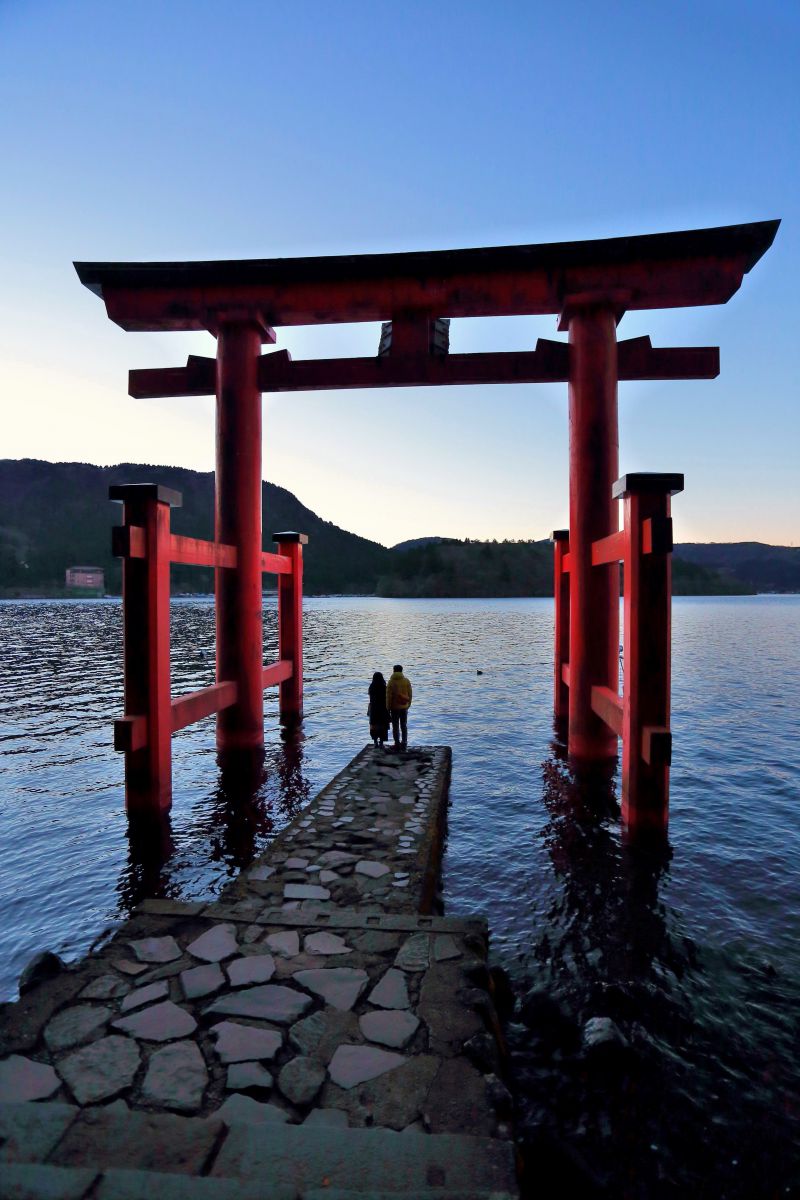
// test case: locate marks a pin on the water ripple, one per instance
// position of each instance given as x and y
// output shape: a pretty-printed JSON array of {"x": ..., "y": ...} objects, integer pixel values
[{"x": 696, "y": 953}]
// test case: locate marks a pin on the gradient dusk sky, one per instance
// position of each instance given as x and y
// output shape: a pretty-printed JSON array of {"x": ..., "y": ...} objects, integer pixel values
[{"x": 167, "y": 130}]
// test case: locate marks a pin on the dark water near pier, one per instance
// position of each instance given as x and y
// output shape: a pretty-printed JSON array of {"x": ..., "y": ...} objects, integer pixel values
[{"x": 695, "y": 954}]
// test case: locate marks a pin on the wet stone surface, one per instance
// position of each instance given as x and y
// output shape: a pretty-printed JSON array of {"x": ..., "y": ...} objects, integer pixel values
[{"x": 315, "y": 993}]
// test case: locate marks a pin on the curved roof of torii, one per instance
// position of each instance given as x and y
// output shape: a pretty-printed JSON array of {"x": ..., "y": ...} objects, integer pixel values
[{"x": 663, "y": 270}]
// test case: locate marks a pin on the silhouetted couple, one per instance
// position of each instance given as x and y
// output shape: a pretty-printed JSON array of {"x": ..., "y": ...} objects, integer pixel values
[{"x": 389, "y": 702}]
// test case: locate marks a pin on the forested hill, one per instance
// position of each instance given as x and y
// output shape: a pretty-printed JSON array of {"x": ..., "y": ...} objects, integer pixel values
[
  {"x": 446, "y": 567},
  {"x": 58, "y": 515},
  {"x": 758, "y": 567}
]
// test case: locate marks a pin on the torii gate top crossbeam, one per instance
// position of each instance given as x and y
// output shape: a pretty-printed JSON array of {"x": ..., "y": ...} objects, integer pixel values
[{"x": 664, "y": 270}]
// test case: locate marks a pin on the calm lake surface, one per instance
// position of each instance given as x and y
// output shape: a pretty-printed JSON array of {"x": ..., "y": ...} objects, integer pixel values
[{"x": 696, "y": 955}]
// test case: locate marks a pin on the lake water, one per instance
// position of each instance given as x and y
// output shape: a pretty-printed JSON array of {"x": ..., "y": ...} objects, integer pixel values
[{"x": 695, "y": 954}]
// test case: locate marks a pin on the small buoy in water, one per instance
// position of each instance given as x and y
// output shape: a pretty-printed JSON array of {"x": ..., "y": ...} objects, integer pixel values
[{"x": 480, "y": 672}]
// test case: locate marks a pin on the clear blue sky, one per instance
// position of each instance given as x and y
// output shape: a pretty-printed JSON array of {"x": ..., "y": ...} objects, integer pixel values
[{"x": 168, "y": 130}]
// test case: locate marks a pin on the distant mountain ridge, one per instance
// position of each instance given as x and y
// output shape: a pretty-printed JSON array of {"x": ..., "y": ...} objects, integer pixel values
[
  {"x": 731, "y": 567},
  {"x": 58, "y": 515},
  {"x": 761, "y": 567}
]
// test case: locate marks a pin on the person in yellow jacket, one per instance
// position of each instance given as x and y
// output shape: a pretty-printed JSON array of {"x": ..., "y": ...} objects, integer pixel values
[{"x": 398, "y": 702}]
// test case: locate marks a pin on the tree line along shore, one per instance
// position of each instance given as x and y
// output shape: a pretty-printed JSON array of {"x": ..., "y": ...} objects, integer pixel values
[{"x": 56, "y": 515}]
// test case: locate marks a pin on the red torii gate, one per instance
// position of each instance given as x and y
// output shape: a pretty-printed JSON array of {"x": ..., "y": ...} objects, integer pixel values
[{"x": 589, "y": 284}]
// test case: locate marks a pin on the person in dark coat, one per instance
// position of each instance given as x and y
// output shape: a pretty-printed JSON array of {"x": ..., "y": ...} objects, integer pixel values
[{"x": 378, "y": 712}]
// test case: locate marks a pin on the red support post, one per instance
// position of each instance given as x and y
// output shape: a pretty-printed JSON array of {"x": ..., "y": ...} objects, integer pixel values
[
  {"x": 646, "y": 737},
  {"x": 560, "y": 541},
  {"x": 238, "y": 524},
  {"x": 290, "y": 625},
  {"x": 593, "y": 468},
  {"x": 145, "y": 614}
]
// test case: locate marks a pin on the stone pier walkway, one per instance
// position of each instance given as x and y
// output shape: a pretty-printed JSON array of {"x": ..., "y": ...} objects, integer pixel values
[{"x": 319, "y": 1031}]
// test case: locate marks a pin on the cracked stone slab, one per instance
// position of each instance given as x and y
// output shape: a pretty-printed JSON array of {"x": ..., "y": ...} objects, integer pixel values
[
  {"x": 285, "y": 944},
  {"x": 338, "y": 986},
  {"x": 244, "y": 1043},
  {"x": 322, "y": 1032},
  {"x": 325, "y": 943},
  {"x": 255, "y": 968},
  {"x": 300, "y": 1080},
  {"x": 305, "y": 891},
  {"x": 267, "y": 1002},
  {"x": 445, "y": 948},
  {"x": 106, "y": 987},
  {"x": 128, "y": 967},
  {"x": 286, "y": 967},
  {"x": 243, "y": 1076},
  {"x": 23, "y": 1079},
  {"x": 260, "y": 874},
  {"x": 392, "y": 1027},
  {"x": 373, "y": 870},
  {"x": 161, "y": 1023},
  {"x": 101, "y": 1070},
  {"x": 414, "y": 954},
  {"x": 28, "y": 1132},
  {"x": 74, "y": 1025},
  {"x": 156, "y": 949},
  {"x": 335, "y": 858},
  {"x": 391, "y": 991},
  {"x": 215, "y": 944},
  {"x": 145, "y": 995},
  {"x": 352, "y": 1065},
  {"x": 239, "y": 1109},
  {"x": 105, "y": 1137},
  {"x": 296, "y": 864},
  {"x": 176, "y": 1077},
  {"x": 396, "y": 1098},
  {"x": 202, "y": 981}
]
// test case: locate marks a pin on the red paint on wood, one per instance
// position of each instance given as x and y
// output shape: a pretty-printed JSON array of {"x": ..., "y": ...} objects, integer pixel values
[
  {"x": 646, "y": 740},
  {"x": 609, "y": 549},
  {"x": 609, "y": 707},
  {"x": 194, "y": 706},
  {"x": 561, "y": 589},
  {"x": 277, "y": 673},
  {"x": 276, "y": 564},
  {"x": 238, "y": 524},
  {"x": 130, "y": 733},
  {"x": 145, "y": 606},
  {"x": 128, "y": 541},
  {"x": 195, "y": 552},
  {"x": 290, "y": 626},
  {"x": 593, "y": 468}
]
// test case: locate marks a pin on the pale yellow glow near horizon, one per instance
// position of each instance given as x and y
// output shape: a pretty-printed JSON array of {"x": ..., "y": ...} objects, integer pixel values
[{"x": 55, "y": 415}]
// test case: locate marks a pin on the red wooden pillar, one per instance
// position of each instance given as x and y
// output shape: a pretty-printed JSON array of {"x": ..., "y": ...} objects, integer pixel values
[
  {"x": 144, "y": 542},
  {"x": 561, "y": 591},
  {"x": 646, "y": 737},
  {"x": 593, "y": 469},
  {"x": 290, "y": 625},
  {"x": 238, "y": 523}
]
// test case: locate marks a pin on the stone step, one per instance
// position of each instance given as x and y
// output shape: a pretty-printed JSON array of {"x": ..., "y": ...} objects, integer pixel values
[
  {"x": 367, "y": 1161},
  {"x": 35, "y": 1181},
  {"x": 285, "y": 1160}
]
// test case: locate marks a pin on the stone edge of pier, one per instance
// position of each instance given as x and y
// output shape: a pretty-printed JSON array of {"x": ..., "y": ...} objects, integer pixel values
[{"x": 395, "y": 1088}]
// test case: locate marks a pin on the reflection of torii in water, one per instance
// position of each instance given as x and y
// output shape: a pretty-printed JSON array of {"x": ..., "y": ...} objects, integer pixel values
[{"x": 589, "y": 285}]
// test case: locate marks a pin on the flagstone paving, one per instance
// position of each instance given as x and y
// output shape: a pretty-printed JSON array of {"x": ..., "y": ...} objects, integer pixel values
[{"x": 322, "y": 1001}]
